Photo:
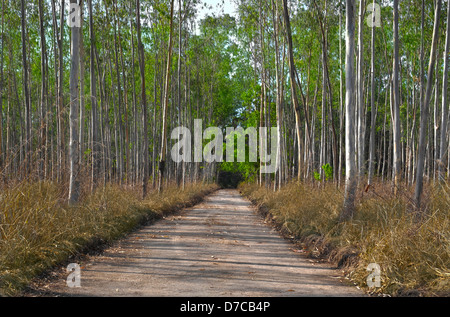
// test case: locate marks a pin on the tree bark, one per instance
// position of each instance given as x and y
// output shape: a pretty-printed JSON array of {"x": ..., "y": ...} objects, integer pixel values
[
  {"x": 144, "y": 101},
  {"x": 425, "y": 111},
  {"x": 94, "y": 104},
  {"x": 81, "y": 90},
  {"x": 444, "y": 122},
  {"x": 397, "y": 157},
  {"x": 27, "y": 141},
  {"x": 59, "y": 111},
  {"x": 120, "y": 130},
  {"x": 341, "y": 100},
  {"x": 263, "y": 87},
  {"x": 373, "y": 111},
  {"x": 162, "y": 161},
  {"x": 1, "y": 85},
  {"x": 43, "y": 101},
  {"x": 292, "y": 76},
  {"x": 360, "y": 92},
  {"x": 350, "y": 164},
  {"x": 74, "y": 148},
  {"x": 278, "y": 86}
]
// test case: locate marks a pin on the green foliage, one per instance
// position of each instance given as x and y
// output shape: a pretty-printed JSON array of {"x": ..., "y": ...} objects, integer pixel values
[
  {"x": 317, "y": 176},
  {"x": 248, "y": 170},
  {"x": 328, "y": 170},
  {"x": 328, "y": 173}
]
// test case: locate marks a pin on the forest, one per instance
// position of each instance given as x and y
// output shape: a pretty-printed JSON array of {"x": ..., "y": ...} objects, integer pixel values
[{"x": 90, "y": 92}]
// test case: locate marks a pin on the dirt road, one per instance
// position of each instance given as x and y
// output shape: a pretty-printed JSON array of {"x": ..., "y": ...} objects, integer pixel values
[{"x": 220, "y": 248}]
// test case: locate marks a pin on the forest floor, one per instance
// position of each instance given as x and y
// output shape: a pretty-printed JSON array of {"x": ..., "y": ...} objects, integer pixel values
[{"x": 221, "y": 247}]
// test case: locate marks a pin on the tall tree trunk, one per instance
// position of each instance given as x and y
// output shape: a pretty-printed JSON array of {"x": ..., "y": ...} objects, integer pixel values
[
  {"x": 292, "y": 76},
  {"x": 60, "y": 107},
  {"x": 144, "y": 101},
  {"x": 360, "y": 92},
  {"x": 435, "y": 125},
  {"x": 350, "y": 165},
  {"x": 27, "y": 141},
  {"x": 162, "y": 160},
  {"x": 125, "y": 127},
  {"x": 425, "y": 110},
  {"x": 278, "y": 87},
  {"x": 81, "y": 89},
  {"x": 135, "y": 139},
  {"x": 341, "y": 99},
  {"x": 1, "y": 86},
  {"x": 326, "y": 83},
  {"x": 42, "y": 151},
  {"x": 120, "y": 138},
  {"x": 94, "y": 105},
  {"x": 397, "y": 157},
  {"x": 373, "y": 111},
  {"x": 444, "y": 122},
  {"x": 323, "y": 116},
  {"x": 263, "y": 87},
  {"x": 180, "y": 111},
  {"x": 74, "y": 148}
]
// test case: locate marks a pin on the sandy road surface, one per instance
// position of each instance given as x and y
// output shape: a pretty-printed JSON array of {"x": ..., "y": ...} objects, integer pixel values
[{"x": 219, "y": 248}]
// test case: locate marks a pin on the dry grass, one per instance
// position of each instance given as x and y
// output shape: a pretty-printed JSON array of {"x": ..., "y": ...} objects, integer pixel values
[
  {"x": 414, "y": 256},
  {"x": 38, "y": 230}
]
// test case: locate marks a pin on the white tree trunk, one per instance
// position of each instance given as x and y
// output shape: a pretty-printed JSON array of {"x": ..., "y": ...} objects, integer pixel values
[
  {"x": 443, "y": 145},
  {"x": 74, "y": 148},
  {"x": 360, "y": 93},
  {"x": 396, "y": 105},
  {"x": 278, "y": 88},
  {"x": 373, "y": 112},
  {"x": 425, "y": 110},
  {"x": 162, "y": 161},
  {"x": 350, "y": 164},
  {"x": 94, "y": 111}
]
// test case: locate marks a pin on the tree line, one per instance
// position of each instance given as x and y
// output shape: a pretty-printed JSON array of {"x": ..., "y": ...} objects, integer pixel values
[
  {"x": 90, "y": 102},
  {"x": 357, "y": 92},
  {"x": 353, "y": 101}
]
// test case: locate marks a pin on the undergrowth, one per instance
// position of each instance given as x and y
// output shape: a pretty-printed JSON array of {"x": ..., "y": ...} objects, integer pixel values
[
  {"x": 414, "y": 256},
  {"x": 39, "y": 230}
]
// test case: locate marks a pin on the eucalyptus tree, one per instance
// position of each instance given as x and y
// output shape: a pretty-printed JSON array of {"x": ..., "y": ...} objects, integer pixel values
[
  {"x": 279, "y": 63},
  {"x": 425, "y": 110},
  {"x": 162, "y": 158},
  {"x": 360, "y": 120},
  {"x": 350, "y": 164},
  {"x": 74, "y": 148},
  {"x": 43, "y": 102},
  {"x": 293, "y": 84},
  {"x": 444, "y": 113},
  {"x": 397, "y": 156},
  {"x": 2, "y": 41},
  {"x": 373, "y": 109},
  {"x": 279, "y": 90},
  {"x": 95, "y": 144},
  {"x": 144, "y": 99},
  {"x": 27, "y": 140}
]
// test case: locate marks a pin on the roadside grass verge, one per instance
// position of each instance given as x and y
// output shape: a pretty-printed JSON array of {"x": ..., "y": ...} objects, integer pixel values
[
  {"x": 414, "y": 257},
  {"x": 38, "y": 230}
]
